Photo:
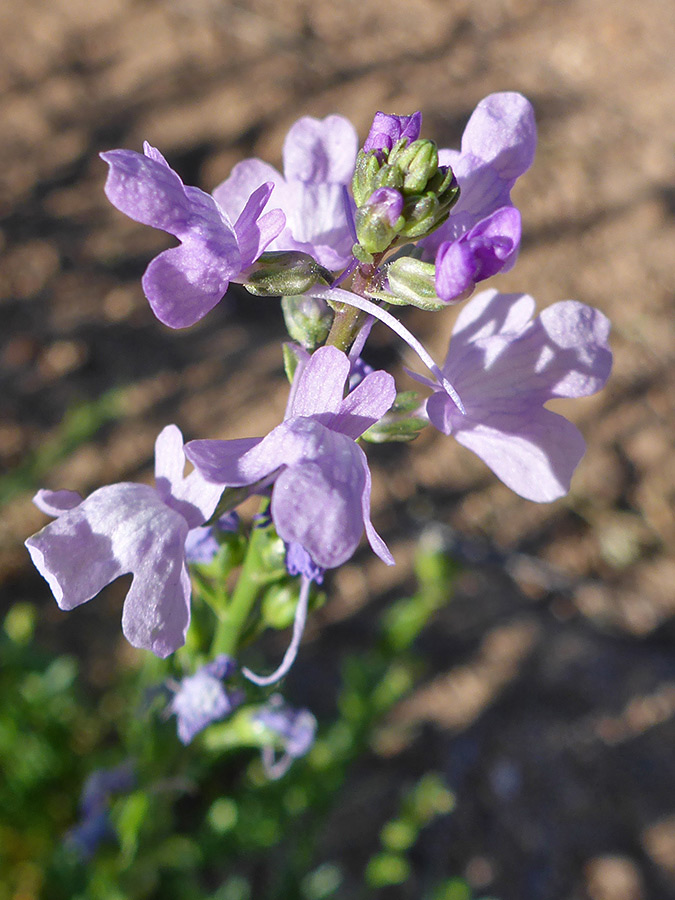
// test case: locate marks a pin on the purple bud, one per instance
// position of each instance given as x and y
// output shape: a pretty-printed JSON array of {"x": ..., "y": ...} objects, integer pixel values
[
  {"x": 386, "y": 130},
  {"x": 387, "y": 202}
]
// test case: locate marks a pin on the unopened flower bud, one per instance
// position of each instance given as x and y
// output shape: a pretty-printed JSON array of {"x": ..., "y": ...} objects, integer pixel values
[
  {"x": 308, "y": 319},
  {"x": 387, "y": 130},
  {"x": 283, "y": 273},
  {"x": 418, "y": 163},
  {"x": 378, "y": 221},
  {"x": 413, "y": 282}
]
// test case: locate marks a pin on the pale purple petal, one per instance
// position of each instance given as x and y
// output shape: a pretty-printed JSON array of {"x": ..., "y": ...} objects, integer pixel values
[
  {"x": 491, "y": 313},
  {"x": 506, "y": 367},
  {"x": 561, "y": 353},
  {"x": 321, "y": 383},
  {"x": 156, "y": 612},
  {"x": 239, "y": 462},
  {"x": 497, "y": 147},
  {"x": 302, "y": 358},
  {"x": 536, "y": 458},
  {"x": 318, "y": 503},
  {"x": 76, "y": 556},
  {"x": 193, "y": 497},
  {"x": 365, "y": 405},
  {"x": 378, "y": 545},
  {"x": 317, "y": 223},
  {"x": 502, "y": 132},
  {"x": 147, "y": 190},
  {"x": 54, "y": 503},
  {"x": 169, "y": 462},
  {"x": 255, "y": 232},
  {"x": 184, "y": 283},
  {"x": 320, "y": 150},
  {"x": 246, "y": 177}
]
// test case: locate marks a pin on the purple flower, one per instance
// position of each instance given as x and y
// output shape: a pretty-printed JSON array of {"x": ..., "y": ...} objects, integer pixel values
[
  {"x": 387, "y": 130},
  {"x": 498, "y": 146},
  {"x": 506, "y": 366},
  {"x": 482, "y": 252},
  {"x": 295, "y": 729},
  {"x": 202, "y": 698},
  {"x": 182, "y": 284},
  {"x": 319, "y": 157},
  {"x": 129, "y": 528},
  {"x": 201, "y": 544},
  {"x": 321, "y": 493},
  {"x": 94, "y": 825}
]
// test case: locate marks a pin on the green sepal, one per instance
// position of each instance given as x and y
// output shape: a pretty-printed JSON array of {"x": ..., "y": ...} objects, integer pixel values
[
  {"x": 283, "y": 273},
  {"x": 292, "y": 354},
  {"x": 400, "y": 423},
  {"x": 411, "y": 282}
]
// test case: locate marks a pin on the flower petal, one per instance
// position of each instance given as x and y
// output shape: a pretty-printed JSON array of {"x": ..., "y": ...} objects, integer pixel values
[
  {"x": 320, "y": 150},
  {"x": 365, "y": 405},
  {"x": 246, "y": 177},
  {"x": 318, "y": 504},
  {"x": 535, "y": 458},
  {"x": 147, "y": 190},
  {"x": 54, "y": 503},
  {"x": 184, "y": 283},
  {"x": 321, "y": 383},
  {"x": 562, "y": 353},
  {"x": 378, "y": 545},
  {"x": 193, "y": 497},
  {"x": 489, "y": 247},
  {"x": 255, "y": 232}
]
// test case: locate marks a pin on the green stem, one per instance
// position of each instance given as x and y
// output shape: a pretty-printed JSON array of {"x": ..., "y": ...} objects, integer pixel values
[
  {"x": 348, "y": 320},
  {"x": 232, "y": 623}
]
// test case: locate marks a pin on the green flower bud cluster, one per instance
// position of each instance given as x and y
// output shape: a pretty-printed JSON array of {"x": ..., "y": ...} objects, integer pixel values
[{"x": 428, "y": 190}]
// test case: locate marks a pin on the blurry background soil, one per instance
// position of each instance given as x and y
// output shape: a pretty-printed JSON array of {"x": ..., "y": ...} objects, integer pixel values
[{"x": 551, "y": 707}]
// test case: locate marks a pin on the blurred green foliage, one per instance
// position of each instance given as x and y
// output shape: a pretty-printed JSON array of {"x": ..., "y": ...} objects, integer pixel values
[{"x": 203, "y": 822}]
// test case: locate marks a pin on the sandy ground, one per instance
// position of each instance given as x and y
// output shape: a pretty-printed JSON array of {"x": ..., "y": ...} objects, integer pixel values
[{"x": 551, "y": 707}]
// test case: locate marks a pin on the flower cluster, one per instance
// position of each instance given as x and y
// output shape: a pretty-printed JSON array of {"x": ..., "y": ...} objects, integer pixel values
[{"x": 343, "y": 234}]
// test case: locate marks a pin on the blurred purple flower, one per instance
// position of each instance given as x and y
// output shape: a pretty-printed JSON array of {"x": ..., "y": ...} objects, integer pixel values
[
  {"x": 202, "y": 698},
  {"x": 295, "y": 729},
  {"x": 94, "y": 825},
  {"x": 387, "y": 130},
  {"x": 506, "y": 366},
  {"x": 129, "y": 528},
  {"x": 201, "y": 544},
  {"x": 319, "y": 157},
  {"x": 183, "y": 283}
]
